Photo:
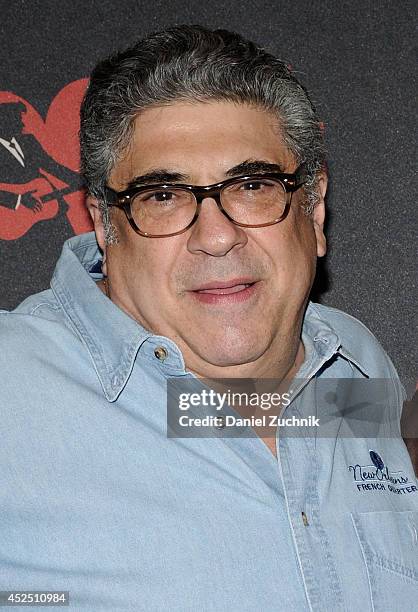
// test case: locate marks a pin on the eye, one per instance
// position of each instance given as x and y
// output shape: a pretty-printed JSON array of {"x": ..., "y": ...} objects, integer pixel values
[
  {"x": 158, "y": 196},
  {"x": 252, "y": 185},
  {"x": 257, "y": 186}
]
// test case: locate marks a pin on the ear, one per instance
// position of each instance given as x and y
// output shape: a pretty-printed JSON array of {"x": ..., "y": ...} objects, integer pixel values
[
  {"x": 318, "y": 215},
  {"x": 96, "y": 216}
]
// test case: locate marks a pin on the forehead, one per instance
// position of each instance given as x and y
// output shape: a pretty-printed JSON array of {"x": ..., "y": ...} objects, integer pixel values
[{"x": 201, "y": 140}]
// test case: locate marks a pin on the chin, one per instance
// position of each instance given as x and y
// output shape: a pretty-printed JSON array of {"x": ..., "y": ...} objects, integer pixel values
[{"x": 230, "y": 356}]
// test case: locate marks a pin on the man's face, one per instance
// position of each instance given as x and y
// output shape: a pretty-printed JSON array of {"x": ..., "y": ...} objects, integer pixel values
[{"x": 258, "y": 278}]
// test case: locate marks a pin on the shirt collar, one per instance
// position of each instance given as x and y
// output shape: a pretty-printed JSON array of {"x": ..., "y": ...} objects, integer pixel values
[
  {"x": 113, "y": 339},
  {"x": 322, "y": 342}
]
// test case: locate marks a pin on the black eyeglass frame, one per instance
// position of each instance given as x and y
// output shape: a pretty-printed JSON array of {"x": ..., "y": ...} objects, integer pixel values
[{"x": 122, "y": 199}]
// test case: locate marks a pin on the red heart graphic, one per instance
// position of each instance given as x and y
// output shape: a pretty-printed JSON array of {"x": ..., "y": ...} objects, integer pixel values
[{"x": 44, "y": 158}]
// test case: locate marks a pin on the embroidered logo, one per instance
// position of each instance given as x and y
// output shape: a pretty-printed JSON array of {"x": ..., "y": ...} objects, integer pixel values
[
  {"x": 378, "y": 477},
  {"x": 377, "y": 460}
]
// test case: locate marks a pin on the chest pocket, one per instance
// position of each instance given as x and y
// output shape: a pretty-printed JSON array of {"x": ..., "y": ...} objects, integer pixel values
[{"x": 389, "y": 545}]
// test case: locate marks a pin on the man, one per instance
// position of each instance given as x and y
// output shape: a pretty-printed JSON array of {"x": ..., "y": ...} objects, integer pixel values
[{"x": 204, "y": 163}]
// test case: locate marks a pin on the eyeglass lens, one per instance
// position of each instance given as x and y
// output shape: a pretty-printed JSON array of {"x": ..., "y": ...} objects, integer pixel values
[{"x": 169, "y": 210}]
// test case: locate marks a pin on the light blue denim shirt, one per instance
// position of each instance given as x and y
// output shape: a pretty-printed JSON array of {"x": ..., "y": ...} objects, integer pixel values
[{"x": 97, "y": 501}]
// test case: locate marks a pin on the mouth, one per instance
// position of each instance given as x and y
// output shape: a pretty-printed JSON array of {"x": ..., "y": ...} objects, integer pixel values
[{"x": 225, "y": 292}]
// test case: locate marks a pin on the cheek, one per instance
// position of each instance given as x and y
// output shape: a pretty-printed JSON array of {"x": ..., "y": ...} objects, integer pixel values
[
  {"x": 303, "y": 235},
  {"x": 304, "y": 254},
  {"x": 147, "y": 264},
  {"x": 294, "y": 255}
]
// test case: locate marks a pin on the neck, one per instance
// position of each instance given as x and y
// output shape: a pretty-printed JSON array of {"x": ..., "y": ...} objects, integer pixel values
[{"x": 285, "y": 367}]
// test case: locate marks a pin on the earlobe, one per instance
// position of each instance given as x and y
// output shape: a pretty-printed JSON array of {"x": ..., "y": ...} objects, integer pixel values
[
  {"x": 93, "y": 207},
  {"x": 319, "y": 215}
]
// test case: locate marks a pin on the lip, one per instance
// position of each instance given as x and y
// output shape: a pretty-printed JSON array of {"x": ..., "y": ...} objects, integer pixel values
[
  {"x": 225, "y": 284},
  {"x": 226, "y": 292}
]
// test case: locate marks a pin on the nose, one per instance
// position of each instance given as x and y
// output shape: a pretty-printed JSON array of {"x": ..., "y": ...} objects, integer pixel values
[{"x": 213, "y": 233}]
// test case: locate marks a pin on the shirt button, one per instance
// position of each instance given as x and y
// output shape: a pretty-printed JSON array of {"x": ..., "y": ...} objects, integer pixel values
[
  {"x": 161, "y": 353},
  {"x": 220, "y": 422},
  {"x": 305, "y": 519},
  {"x": 323, "y": 340}
]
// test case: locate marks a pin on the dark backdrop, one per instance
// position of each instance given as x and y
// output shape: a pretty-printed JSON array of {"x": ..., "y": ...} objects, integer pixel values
[{"x": 355, "y": 57}]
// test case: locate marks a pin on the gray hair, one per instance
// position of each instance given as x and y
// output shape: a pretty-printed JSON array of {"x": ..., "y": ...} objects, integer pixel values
[{"x": 191, "y": 63}]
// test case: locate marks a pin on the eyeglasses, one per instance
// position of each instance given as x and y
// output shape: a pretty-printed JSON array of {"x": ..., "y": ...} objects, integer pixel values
[{"x": 169, "y": 209}]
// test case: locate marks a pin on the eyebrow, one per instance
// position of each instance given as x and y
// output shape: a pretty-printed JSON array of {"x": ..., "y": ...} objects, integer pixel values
[
  {"x": 162, "y": 175},
  {"x": 255, "y": 166}
]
